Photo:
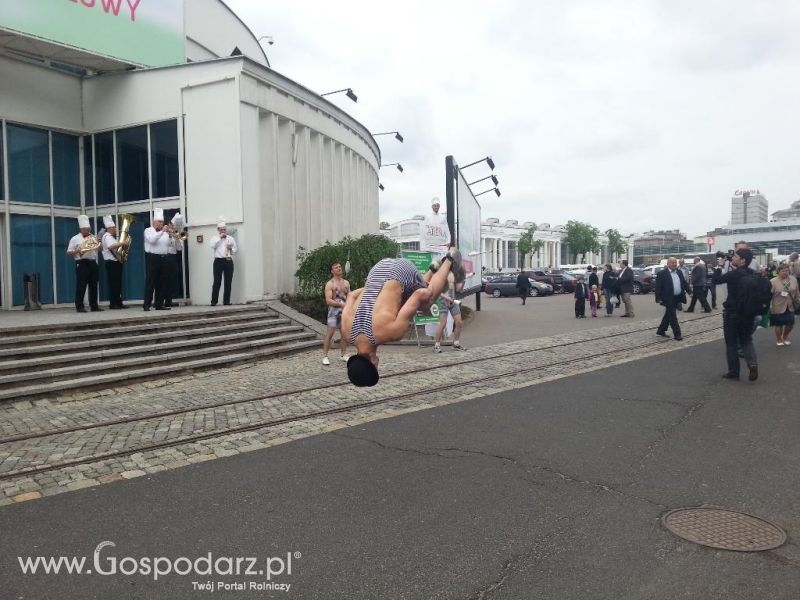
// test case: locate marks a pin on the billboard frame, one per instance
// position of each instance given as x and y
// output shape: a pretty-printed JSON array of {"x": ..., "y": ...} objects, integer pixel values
[{"x": 452, "y": 173}]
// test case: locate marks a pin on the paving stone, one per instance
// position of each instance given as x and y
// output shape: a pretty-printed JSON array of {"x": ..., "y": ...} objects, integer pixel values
[{"x": 27, "y": 496}]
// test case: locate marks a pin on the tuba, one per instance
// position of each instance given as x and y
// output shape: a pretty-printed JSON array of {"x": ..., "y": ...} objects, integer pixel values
[{"x": 125, "y": 237}]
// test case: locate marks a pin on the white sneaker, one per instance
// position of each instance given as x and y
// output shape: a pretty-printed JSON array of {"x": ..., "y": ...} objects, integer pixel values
[
  {"x": 458, "y": 346},
  {"x": 787, "y": 343},
  {"x": 344, "y": 357},
  {"x": 325, "y": 361},
  {"x": 437, "y": 348}
]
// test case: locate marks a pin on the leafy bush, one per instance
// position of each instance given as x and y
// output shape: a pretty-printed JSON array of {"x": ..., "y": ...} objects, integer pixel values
[{"x": 363, "y": 253}]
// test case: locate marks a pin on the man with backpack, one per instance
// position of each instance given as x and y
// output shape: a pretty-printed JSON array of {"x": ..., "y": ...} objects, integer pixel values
[{"x": 747, "y": 298}]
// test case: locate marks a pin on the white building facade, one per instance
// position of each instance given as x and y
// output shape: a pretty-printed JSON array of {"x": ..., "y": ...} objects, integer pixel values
[
  {"x": 500, "y": 244},
  {"x": 749, "y": 206},
  {"x": 212, "y": 136}
]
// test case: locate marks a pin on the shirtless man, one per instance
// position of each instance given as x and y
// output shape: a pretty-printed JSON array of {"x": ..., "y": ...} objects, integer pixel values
[
  {"x": 336, "y": 291},
  {"x": 381, "y": 311}
]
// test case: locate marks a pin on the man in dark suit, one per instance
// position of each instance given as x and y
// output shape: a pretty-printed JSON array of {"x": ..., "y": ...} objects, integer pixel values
[
  {"x": 670, "y": 291},
  {"x": 625, "y": 282},
  {"x": 523, "y": 286},
  {"x": 699, "y": 282}
]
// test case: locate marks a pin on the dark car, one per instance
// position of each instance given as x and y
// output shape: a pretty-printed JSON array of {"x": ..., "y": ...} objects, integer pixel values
[
  {"x": 567, "y": 283},
  {"x": 554, "y": 279},
  {"x": 642, "y": 282},
  {"x": 506, "y": 285}
]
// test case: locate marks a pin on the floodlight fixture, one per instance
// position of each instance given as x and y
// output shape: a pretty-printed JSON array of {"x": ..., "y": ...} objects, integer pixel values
[
  {"x": 492, "y": 177},
  {"x": 380, "y": 186},
  {"x": 397, "y": 135},
  {"x": 348, "y": 92},
  {"x": 488, "y": 160},
  {"x": 398, "y": 165},
  {"x": 269, "y": 38},
  {"x": 496, "y": 190}
]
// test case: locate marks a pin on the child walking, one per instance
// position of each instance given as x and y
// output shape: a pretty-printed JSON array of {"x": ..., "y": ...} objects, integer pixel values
[
  {"x": 594, "y": 300},
  {"x": 581, "y": 294}
]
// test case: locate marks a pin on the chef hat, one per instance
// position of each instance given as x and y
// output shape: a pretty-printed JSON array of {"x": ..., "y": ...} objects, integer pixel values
[
  {"x": 108, "y": 221},
  {"x": 178, "y": 221},
  {"x": 158, "y": 214},
  {"x": 435, "y": 201},
  {"x": 221, "y": 223},
  {"x": 83, "y": 222}
]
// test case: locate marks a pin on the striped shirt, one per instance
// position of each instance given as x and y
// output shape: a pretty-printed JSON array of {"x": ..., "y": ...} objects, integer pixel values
[{"x": 398, "y": 269}]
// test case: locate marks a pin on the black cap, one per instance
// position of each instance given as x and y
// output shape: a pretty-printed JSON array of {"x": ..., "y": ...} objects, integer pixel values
[{"x": 361, "y": 371}]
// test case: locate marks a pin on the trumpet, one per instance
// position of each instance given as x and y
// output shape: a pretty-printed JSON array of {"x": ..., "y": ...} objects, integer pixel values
[{"x": 175, "y": 234}]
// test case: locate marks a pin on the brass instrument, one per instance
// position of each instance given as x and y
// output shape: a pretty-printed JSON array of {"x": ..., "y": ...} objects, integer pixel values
[
  {"x": 124, "y": 239},
  {"x": 228, "y": 254},
  {"x": 90, "y": 244}
]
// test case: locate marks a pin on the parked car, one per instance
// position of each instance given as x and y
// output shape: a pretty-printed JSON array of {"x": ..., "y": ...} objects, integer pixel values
[
  {"x": 642, "y": 281},
  {"x": 554, "y": 279},
  {"x": 568, "y": 283},
  {"x": 506, "y": 285}
]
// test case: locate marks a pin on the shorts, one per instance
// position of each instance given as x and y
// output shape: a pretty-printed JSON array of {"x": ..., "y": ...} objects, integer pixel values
[
  {"x": 451, "y": 307},
  {"x": 335, "y": 321}
]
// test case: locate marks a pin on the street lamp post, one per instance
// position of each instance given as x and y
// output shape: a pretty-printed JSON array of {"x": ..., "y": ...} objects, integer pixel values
[
  {"x": 397, "y": 135},
  {"x": 348, "y": 92}
]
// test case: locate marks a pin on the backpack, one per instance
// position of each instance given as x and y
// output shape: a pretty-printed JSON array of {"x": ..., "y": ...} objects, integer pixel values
[{"x": 755, "y": 294}]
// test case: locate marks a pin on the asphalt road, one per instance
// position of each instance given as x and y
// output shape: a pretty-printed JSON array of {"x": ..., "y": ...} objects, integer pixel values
[{"x": 551, "y": 492}]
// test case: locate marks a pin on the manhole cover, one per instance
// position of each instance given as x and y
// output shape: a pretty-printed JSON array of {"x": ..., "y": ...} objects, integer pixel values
[{"x": 725, "y": 529}]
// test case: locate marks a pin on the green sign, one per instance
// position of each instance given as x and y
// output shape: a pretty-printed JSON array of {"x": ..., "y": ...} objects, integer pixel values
[
  {"x": 142, "y": 32},
  {"x": 422, "y": 260}
]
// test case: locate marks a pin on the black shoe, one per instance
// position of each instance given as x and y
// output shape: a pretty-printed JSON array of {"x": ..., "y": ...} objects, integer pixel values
[
  {"x": 707, "y": 310},
  {"x": 226, "y": 303},
  {"x": 114, "y": 307},
  {"x": 123, "y": 306},
  {"x": 97, "y": 309},
  {"x": 146, "y": 309},
  {"x": 689, "y": 310},
  {"x": 81, "y": 309},
  {"x": 213, "y": 304},
  {"x": 731, "y": 376},
  {"x": 662, "y": 334},
  {"x": 678, "y": 338},
  {"x": 753, "y": 373},
  {"x": 163, "y": 308}
]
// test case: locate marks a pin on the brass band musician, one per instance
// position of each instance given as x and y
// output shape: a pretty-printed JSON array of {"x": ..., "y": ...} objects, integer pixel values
[
  {"x": 113, "y": 265},
  {"x": 83, "y": 248},
  {"x": 224, "y": 247}
]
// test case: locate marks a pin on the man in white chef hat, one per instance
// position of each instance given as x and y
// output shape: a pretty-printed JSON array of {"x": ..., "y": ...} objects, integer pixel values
[
  {"x": 83, "y": 248},
  {"x": 113, "y": 265},
  {"x": 156, "y": 248},
  {"x": 224, "y": 247}
]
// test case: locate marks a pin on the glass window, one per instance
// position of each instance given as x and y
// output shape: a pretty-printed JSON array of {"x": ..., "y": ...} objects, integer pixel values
[
  {"x": 88, "y": 171},
  {"x": 104, "y": 167},
  {"x": 65, "y": 228},
  {"x": 31, "y": 253},
  {"x": 132, "y": 170},
  {"x": 66, "y": 170},
  {"x": 133, "y": 273},
  {"x": 164, "y": 144},
  {"x": 28, "y": 165}
]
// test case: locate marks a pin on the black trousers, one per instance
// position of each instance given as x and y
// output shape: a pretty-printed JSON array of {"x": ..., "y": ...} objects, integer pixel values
[
  {"x": 523, "y": 293},
  {"x": 738, "y": 330},
  {"x": 670, "y": 318},
  {"x": 173, "y": 278},
  {"x": 713, "y": 289},
  {"x": 699, "y": 293},
  {"x": 222, "y": 267},
  {"x": 86, "y": 272},
  {"x": 580, "y": 307},
  {"x": 157, "y": 278},
  {"x": 114, "y": 274}
]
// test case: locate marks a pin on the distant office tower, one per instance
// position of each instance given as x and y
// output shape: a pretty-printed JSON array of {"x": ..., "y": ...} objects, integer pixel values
[{"x": 748, "y": 206}]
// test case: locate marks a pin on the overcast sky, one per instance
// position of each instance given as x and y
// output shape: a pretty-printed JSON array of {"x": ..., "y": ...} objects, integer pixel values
[{"x": 630, "y": 114}]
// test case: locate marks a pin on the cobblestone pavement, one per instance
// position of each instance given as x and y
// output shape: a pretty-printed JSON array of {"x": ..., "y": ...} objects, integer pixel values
[{"x": 289, "y": 384}]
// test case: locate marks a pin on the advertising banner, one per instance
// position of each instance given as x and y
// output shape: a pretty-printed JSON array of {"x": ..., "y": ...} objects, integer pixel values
[
  {"x": 142, "y": 32},
  {"x": 422, "y": 260}
]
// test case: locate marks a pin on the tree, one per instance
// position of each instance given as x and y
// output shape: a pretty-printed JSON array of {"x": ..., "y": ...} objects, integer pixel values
[
  {"x": 615, "y": 243},
  {"x": 362, "y": 253},
  {"x": 581, "y": 238},
  {"x": 528, "y": 245}
]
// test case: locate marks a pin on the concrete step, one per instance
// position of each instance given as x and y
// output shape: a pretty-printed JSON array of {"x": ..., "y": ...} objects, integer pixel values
[
  {"x": 112, "y": 353},
  {"x": 102, "y": 329},
  {"x": 144, "y": 337},
  {"x": 124, "y": 363},
  {"x": 132, "y": 375}
]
